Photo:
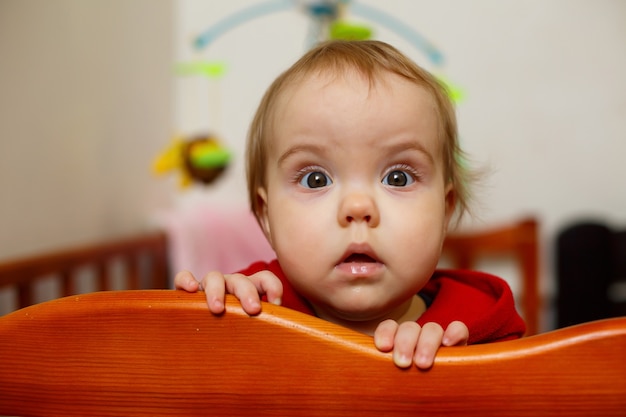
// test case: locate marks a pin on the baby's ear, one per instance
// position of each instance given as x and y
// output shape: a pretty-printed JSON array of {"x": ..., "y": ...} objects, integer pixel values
[{"x": 262, "y": 215}]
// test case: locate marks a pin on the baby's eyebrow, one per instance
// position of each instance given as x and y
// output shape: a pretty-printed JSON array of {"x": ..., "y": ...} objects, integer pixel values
[
  {"x": 307, "y": 148},
  {"x": 397, "y": 148},
  {"x": 389, "y": 149}
]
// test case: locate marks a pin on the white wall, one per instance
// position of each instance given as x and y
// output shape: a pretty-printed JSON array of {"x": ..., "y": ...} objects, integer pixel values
[{"x": 85, "y": 105}]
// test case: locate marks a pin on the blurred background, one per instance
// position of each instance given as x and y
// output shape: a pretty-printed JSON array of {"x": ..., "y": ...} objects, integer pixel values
[{"x": 93, "y": 91}]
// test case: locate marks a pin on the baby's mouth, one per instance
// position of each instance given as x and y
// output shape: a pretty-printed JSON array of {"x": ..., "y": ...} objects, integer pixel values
[
  {"x": 359, "y": 254},
  {"x": 359, "y": 264},
  {"x": 359, "y": 258}
]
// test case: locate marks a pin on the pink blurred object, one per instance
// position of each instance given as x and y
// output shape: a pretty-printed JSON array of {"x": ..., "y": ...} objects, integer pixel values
[{"x": 207, "y": 237}]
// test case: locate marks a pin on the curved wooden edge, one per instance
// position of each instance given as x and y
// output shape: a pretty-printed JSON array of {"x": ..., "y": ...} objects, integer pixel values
[
  {"x": 172, "y": 301},
  {"x": 161, "y": 352},
  {"x": 542, "y": 343}
]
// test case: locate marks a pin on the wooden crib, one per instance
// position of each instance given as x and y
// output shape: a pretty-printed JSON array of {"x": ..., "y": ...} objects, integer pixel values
[{"x": 137, "y": 262}]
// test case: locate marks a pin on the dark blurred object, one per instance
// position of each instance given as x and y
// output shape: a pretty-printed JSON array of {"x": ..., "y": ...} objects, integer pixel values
[{"x": 591, "y": 273}]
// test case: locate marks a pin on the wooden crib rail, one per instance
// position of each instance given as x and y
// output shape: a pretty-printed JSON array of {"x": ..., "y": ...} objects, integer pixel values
[
  {"x": 161, "y": 353},
  {"x": 144, "y": 257}
]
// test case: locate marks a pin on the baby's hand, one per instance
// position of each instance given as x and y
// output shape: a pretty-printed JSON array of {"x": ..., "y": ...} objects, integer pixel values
[
  {"x": 412, "y": 343},
  {"x": 248, "y": 289}
]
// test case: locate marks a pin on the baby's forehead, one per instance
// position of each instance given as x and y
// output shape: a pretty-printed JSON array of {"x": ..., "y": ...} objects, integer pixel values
[
  {"x": 353, "y": 89},
  {"x": 322, "y": 79},
  {"x": 305, "y": 84}
]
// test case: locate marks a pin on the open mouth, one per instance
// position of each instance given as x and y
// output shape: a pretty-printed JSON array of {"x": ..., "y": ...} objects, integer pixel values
[
  {"x": 359, "y": 262},
  {"x": 359, "y": 258}
]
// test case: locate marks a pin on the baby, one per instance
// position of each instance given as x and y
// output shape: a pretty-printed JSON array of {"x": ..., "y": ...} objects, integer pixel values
[{"x": 354, "y": 176}]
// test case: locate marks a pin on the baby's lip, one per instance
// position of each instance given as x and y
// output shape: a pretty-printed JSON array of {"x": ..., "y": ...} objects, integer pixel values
[{"x": 359, "y": 253}]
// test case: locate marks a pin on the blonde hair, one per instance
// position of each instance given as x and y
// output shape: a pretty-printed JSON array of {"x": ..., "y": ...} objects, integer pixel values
[{"x": 371, "y": 58}]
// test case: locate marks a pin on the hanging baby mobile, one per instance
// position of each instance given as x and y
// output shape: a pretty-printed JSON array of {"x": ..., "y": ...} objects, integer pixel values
[{"x": 202, "y": 158}]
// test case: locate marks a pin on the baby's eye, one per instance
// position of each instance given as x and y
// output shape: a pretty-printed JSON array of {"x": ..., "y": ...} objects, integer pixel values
[
  {"x": 398, "y": 178},
  {"x": 315, "y": 179}
]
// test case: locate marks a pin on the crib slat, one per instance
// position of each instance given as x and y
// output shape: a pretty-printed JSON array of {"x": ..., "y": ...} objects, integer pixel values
[
  {"x": 67, "y": 283},
  {"x": 24, "y": 294},
  {"x": 133, "y": 278},
  {"x": 102, "y": 277},
  {"x": 159, "y": 269}
]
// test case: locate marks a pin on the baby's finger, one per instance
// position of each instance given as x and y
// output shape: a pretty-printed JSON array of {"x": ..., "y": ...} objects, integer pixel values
[
  {"x": 268, "y": 284},
  {"x": 185, "y": 280},
  {"x": 385, "y": 334},
  {"x": 405, "y": 342},
  {"x": 246, "y": 292},
  {"x": 214, "y": 289},
  {"x": 427, "y": 345},
  {"x": 456, "y": 334}
]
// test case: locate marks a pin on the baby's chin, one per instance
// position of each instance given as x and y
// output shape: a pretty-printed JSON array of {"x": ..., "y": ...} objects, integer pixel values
[{"x": 358, "y": 311}]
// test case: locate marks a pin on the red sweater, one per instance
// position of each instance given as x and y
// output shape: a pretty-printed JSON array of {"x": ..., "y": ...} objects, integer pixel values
[{"x": 482, "y": 301}]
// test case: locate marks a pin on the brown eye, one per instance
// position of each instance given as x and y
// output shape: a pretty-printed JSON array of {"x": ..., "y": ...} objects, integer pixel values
[
  {"x": 315, "y": 179},
  {"x": 397, "y": 178}
]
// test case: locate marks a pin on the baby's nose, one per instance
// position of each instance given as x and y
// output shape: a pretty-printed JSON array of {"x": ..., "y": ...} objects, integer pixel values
[{"x": 358, "y": 207}]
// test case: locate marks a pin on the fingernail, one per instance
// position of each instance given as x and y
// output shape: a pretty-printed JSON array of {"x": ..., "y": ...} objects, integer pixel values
[
  {"x": 423, "y": 362},
  {"x": 277, "y": 301},
  {"x": 401, "y": 360}
]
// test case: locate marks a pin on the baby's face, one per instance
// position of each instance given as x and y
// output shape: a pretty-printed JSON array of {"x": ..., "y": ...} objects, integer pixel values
[{"x": 356, "y": 206}]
